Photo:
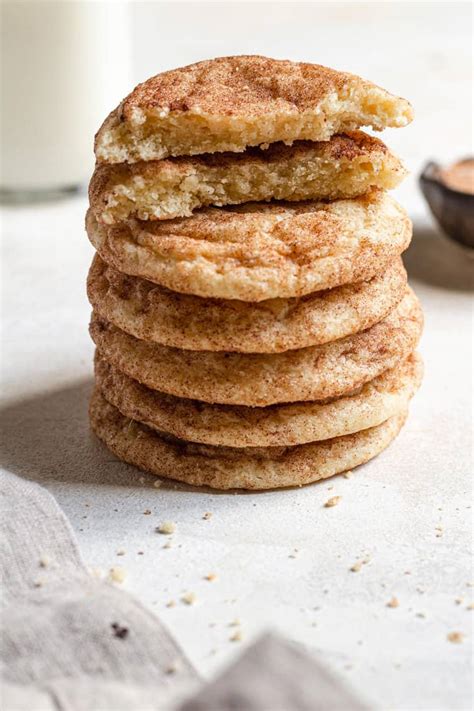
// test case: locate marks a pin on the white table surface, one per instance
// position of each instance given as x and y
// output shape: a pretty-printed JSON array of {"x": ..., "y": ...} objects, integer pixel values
[{"x": 390, "y": 509}]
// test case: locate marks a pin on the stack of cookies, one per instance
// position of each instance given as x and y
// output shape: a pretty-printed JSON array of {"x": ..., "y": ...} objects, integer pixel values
[{"x": 252, "y": 319}]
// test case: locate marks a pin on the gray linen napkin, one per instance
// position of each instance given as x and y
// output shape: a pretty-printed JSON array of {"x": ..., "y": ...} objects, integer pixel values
[{"x": 274, "y": 675}]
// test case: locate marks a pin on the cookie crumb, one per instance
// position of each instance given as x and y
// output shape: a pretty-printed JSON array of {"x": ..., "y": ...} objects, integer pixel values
[
  {"x": 173, "y": 667},
  {"x": 38, "y": 583},
  {"x": 347, "y": 475},
  {"x": 235, "y": 623},
  {"x": 210, "y": 577},
  {"x": 171, "y": 603},
  {"x": 470, "y": 606},
  {"x": 121, "y": 551},
  {"x": 189, "y": 598},
  {"x": 207, "y": 516},
  {"x": 236, "y": 637},
  {"x": 117, "y": 574},
  {"x": 147, "y": 512},
  {"x": 358, "y": 564},
  {"x": 393, "y": 602},
  {"x": 455, "y": 637},
  {"x": 44, "y": 561},
  {"x": 166, "y": 528},
  {"x": 157, "y": 483},
  {"x": 333, "y": 501}
]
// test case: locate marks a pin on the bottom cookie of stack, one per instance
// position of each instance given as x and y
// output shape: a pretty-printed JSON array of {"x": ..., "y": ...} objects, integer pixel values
[{"x": 345, "y": 432}]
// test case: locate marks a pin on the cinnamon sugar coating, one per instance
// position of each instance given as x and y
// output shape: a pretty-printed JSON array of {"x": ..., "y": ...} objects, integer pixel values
[
  {"x": 258, "y": 379},
  {"x": 260, "y": 251}
]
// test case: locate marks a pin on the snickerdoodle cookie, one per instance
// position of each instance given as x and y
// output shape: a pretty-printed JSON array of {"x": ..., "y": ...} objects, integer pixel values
[
  {"x": 153, "y": 313},
  {"x": 228, "y": 103},
  {"x": 259, "y": 379},
  {"x": 260, "y": 251},
  {"x": 240, "y": 426},
  {"x": 232, "y": 467}
]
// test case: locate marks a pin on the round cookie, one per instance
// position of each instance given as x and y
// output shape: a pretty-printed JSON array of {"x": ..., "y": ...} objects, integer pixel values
[
  {"x": 240, "y": 426},
  {"x": 230, "y": 467},
  {"x": 260, "y": 251},
  {"x": 346, "y": 166},
  {"x": 228, "y": 103},
  {"x": 153, "y": 313},
  {"x": 257, "y": 379}
]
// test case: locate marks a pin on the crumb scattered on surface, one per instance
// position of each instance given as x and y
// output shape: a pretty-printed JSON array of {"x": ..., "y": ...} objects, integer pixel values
[
  {"x": 119, "y": 630},
  {"x": 358, "y": 565},
  {"x": 207, "y": 516},
  {"x": 347, "y": 475},
  {"x": 189, "y": 598},
  {"x": 236, "y": 636},
  {"x": 38, "y": 583},
  {"x": 44, "y": 561},
  {"x": 210, "y": 577},
  {"x": 455, "y": 637},
  {"x": 121, "y": 552},
  {"x": 333, "y": 501},
  {"x": 393, "y": 602},
  {"x": 171, "y": 603},
  {"x": 117, "y": 574},
  {"x": 147, "y": 512},
  {"x": 167, "y": 528},
  {"x": 157, "y": 483},
  {"x": 173, "y": 667},
  {"x": 458, "y": 601},
  {"x": 235, "y": 623}
]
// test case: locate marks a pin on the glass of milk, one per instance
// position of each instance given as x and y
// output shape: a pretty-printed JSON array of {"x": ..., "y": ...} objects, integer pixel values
[{"x": 65, "y": 65}]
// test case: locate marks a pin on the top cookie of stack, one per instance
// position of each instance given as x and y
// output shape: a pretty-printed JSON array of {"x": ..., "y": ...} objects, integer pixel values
[{"x": 249, "y": 256}]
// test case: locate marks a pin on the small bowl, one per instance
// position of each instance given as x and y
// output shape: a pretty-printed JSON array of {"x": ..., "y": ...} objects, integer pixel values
[{"x": 453, "y": 208}]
